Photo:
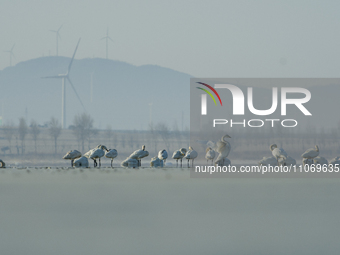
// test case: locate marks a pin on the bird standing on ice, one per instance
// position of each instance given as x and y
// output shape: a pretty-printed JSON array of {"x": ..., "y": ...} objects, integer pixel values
[
  {"x": 179, "y": 154},
  {"x": 210, "y": 154},
  {"x": 72, "y": 155},
  {"x": 265, "y": 161},
  {"x": 111, "y": 153},
  {"x": 290, "y": 161},
  {"x": 81, "y": 162},
  {"x": 191, "y": 155},
  {"x": 156, "y": 162},
  {"x": 96, "y": 153},
  {"x": 309, "y": 155},
  {"x": 320, "y": 161},
  {"x": 139, "y": 154},
  {"x": 130, "y": 162},
  {"x": 223, "y": 148},
  {"x": 335, "y": 162},
  {"x": 279, "y": 154},
  {"x": 307, "y": 161},
  {"x": 163, "y": 155}
]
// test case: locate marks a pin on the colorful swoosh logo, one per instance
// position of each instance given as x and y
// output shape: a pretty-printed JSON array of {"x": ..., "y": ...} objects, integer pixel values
[{"x": 208, "y": 92}]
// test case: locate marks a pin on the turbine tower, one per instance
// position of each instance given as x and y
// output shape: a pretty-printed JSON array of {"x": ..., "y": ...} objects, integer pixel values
[
  {"x": 92, "y": 86},
  {"x": 107, "y": 37},
  {"x": 10, "y": 54},
  {"x": 63, "y": 95},
  {"x": 57, "y": 36},
  {"x": 150, "y": 114}
]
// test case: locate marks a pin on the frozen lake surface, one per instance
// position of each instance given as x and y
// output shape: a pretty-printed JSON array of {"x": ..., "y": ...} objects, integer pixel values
[{"x": 154, "y": 211}]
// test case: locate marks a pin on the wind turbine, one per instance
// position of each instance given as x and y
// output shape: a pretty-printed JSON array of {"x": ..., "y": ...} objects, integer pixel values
[
  {"x": 63, "y": 98},
  {"x": 57, "y": 36},
  {"x": 150, "y": 114},
  {"x": 107, "y": 37},
  {"x": 92, "y": 86},
  {"x": 10, "y": 54}
]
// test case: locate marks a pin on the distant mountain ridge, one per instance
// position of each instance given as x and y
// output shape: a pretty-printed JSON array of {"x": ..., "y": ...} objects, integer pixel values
[{"x": 121, "y": 92}]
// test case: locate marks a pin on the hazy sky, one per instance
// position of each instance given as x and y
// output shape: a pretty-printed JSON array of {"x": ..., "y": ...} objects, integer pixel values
[{"x": 201, "y": 38}]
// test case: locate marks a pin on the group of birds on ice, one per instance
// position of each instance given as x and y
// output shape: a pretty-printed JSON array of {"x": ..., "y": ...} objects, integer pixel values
[
  {"x": 309, "y": 157},
  {"x": 133, "y": 161},
  {"x": 222, "y": 147},
  {"x": 79, "y": 160}
]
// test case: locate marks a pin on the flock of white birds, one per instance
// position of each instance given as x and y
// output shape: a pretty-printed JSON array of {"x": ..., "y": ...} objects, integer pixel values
[
  {"x": 134, "y": 160},
  {"x": 222, "y": 148},
  {"x": 309, "y": 157}
]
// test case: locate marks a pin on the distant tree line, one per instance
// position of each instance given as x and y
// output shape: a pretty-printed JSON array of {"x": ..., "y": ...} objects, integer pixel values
[
  {"x": 51, "y": 139},
  {"x": 82, "y": 127},
  {"x": 40, "y": 138}
]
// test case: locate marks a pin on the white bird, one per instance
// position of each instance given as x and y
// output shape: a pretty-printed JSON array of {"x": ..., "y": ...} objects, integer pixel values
[
  {"x": 223, "y": 148},
  {"x": 265, "y": 161},
  {"x": 210, "y": 154},
  {"x": 224, "y": 162},
  {"x": 290, "y": 161},
  {"x": 179, "y": 154},
  {"x": 156, "y": 162},
  {"x": 311, "y": 153},
  {"x": 87, "y": 154},
  {"x": 335, "y": 161},
  {"x": 307, "y": 161},
  {"x": 139, "y": 154},
  {"x": 320, "y": 161},
  {"x": 163, "y": 155},
  {"x": 191, "y": 155},
  {"x": 2, "y": 164},
  {"x": 279, "y": 154},
  {"x": 81, "y": 162},
  {"x": 96, "y": 153},
  {"x": 72, "y": 155},
  {"x": 111, "y": 153},
  {"x": 130, "y": 162}
]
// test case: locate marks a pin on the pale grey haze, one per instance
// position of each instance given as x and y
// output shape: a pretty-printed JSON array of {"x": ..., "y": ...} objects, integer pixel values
[
  {"x": 120, "y": 95},
  {"x": 159, "y": 45},
  {"x": 156, "y": 47},
  {"x": 201, "y": 38}
]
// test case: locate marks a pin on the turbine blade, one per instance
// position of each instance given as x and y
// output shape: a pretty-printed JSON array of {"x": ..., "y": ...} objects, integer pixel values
[
  {"x": 76, "y": 93},
  {"x": 103, "y": 38},
  {"x": 60, "y": 28},
  {"x": 69, "y": 67},
  {"x": 13, "y": 47},
  {"x": 55, "y": 76},
  {"x": 110, "y": 39}
]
